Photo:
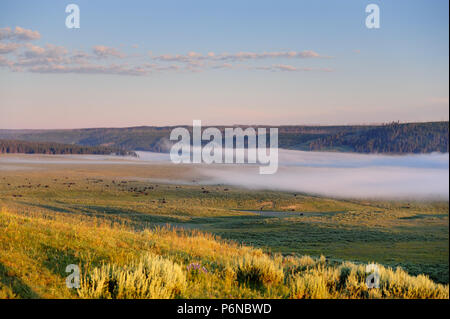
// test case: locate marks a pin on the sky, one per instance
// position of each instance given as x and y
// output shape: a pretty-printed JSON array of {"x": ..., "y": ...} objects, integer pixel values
[{"x": 222, "y": 62}]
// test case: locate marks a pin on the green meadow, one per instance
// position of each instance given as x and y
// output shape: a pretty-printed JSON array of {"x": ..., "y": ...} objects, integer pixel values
[{"x": 117, "y": 222}]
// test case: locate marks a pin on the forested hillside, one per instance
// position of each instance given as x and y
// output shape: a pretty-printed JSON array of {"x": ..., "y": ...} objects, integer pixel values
[
  {"x": 386, "y": 138},
  {"x": 14, "y": 146},
  {"x": 391, "y": 138}
]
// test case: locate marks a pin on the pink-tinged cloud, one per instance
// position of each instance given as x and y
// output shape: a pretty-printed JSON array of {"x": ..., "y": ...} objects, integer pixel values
[
  {"x": 5, "y": 62},
  {"x": 91, "y": 69},
  {"x": 287, "y": 68},
  {"x": 223, "y": 66},
  {"x": 50, "y": 50},
  {"x": 19, "y": 34},
  {"x": 6, "y": 48},
  {"x": 57, "y": 59},
  {"x": 102, "y": 51},
  {"x": 36, "y": 55},
  {"x": 240, "y": 56},
  {"x": 283, "y": 67}
]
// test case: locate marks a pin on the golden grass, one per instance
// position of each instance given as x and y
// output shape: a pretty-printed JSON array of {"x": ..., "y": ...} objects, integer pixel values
[{"x": 121, "y": 262}]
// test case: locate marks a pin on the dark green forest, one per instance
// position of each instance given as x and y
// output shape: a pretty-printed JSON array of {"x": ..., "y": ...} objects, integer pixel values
[
  {"x": 386, "y": 138},
  {"x": 14, "y": 146}
]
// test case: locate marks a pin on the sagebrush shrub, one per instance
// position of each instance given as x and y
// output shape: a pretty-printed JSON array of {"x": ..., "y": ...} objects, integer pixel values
[
  {"x": 349, "y": 281},
  {"x": 399, "y": 284},
  {"x": 151, "y": 277},
  {"x": 309, "y": 286},
  {"x": 258, "y": 270}
]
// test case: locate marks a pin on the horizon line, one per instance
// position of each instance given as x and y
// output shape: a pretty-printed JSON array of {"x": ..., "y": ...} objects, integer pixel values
[{"x": 222, "y": 125}]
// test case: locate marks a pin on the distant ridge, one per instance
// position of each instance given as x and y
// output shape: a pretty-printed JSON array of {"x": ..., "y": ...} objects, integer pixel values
[{"x": 394, "y": 137}]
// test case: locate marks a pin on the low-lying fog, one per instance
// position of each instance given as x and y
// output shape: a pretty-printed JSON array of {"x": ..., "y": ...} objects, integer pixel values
[{"x": 350, "y": 175}]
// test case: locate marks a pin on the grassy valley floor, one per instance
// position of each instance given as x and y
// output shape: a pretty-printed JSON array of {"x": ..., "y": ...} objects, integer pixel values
[{"x": 113, "y": 225}]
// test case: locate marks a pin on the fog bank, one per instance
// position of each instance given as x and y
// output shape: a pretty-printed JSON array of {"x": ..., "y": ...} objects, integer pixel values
[{"x": 346, "y": 175}]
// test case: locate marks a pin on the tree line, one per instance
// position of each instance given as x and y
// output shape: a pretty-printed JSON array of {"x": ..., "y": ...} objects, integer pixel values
[{"x": 16, "y": 146}]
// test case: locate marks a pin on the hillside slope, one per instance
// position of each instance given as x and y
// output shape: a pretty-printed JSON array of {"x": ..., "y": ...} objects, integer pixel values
[{"x": 119, "y": 262}]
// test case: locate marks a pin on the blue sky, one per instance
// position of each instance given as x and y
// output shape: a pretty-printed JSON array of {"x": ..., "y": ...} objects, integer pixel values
[{"x": 136, "y": 68}]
